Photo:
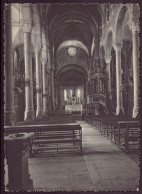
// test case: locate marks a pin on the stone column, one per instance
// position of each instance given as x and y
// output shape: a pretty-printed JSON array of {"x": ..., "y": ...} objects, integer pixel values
[
  {"x": 135, "y": 41},
  {"x": 38, "y": 81},
  {"x": 92, "y": 88},
  {"x": 109, "y": 77},
  {"x": 57, "y": 96},
  {"x": 45, "y": 83},
  {"x": 119, "y": 108},
  {"x": 53, "y": 88},
  {"x": 29, "y": 111},
  {"x": 9, "y": 111},
  {"x": 15, "y": 61},
  {"x": 98, "y": 85}
]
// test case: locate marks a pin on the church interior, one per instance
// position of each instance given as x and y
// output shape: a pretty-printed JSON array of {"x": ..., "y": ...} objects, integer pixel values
[{"x": 71, "y": 97}]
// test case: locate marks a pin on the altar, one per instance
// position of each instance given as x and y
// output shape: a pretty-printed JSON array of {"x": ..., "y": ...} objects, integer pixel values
[
  {"x": 73, "y": 108},
  {"x": 73, "y": 100}
]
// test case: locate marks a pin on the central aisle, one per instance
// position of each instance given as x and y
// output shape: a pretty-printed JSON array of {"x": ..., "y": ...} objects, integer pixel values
[{"x": 102, "y": 167}]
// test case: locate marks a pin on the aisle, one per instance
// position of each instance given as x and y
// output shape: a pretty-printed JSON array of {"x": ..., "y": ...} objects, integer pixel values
[{"x": 102, "y": 167}]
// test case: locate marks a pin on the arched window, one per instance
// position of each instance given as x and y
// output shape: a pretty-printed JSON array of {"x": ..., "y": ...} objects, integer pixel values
[
  {"x": 78, "y": 93},
  {"x": 65, "y": 94},
  {"x": 70, "y": 93}
]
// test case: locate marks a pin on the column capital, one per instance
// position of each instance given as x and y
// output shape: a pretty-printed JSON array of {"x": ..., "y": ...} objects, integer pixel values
[
  {"x": 45, "y": 94},
  {"x": 7, "y": 6},
  {"x": 37, "y": 48},
  {"x": 108, "y": 60},
  {"x": 102, "y": 43},
  {"x": 117, "y": 47},
  {"x": 38, "y": 90},
  {"x": 48, "y": 48},
  {"x": 134, "y": 26},
  {"x": 27, "y": 83},
  {"x": 44, "y": 59},
  {"x": 27, "y": 26},
  {"x": 52, "y": 67}
]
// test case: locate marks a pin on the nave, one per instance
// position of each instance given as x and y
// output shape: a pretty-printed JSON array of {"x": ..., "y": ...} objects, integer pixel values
[
  {"x": 65, "y": 63},
  {"x": 103, "y": 166}
]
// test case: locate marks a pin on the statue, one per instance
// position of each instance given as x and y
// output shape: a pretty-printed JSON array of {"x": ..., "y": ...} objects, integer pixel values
[{"x": 73, "y": 99}]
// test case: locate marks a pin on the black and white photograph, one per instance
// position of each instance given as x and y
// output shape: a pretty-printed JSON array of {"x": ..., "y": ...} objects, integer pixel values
[{"x": 71, "y": 97}]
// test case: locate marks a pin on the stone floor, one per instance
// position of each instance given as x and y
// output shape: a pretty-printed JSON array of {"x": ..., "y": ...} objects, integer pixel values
[{"x": 102, "y": 167}]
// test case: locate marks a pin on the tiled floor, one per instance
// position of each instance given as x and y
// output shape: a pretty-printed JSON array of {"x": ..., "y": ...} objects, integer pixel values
[{"x": 102, "y": 167}]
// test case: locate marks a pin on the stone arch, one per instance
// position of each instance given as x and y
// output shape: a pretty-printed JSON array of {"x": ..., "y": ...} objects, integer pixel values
[
  {"x": 75, "y": 43},
  {"x": 74, "y": 67},
  {"x": 19, "y": 38},
  {"x": 63, "y": 58},
  {"x": 127, "y": 34},
  {"x": 19, "y": 41},
  {"x": 109, "y": 44},
  {"x": 119, "y": 23},
  {"x": 71, "y": 77}
]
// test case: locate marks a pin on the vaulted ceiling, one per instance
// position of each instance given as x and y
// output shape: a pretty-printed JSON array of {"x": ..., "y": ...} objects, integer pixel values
[
  {"x": 68, "y": 25},
  {"x": 71, "y": 78},
  {"x": 79, "y": 22}
]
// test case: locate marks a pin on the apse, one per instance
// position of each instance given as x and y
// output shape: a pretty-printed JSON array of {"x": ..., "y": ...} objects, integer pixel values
[
  {"x": 72, "y": 78},
  {"x": 72, "y": 85}
]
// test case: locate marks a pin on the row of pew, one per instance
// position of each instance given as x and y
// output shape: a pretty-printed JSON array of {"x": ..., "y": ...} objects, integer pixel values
[
  {"x": 37, "y": 140},
  {"x": 48, "y": 137},
  {"x": 125, "y": 132}
]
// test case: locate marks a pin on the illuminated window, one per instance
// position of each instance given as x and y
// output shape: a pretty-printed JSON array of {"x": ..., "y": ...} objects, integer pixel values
[
  {"x": 65, "y": 94},
  {"x": 71, "y": 93},
  {"x": 78, "y": 93}
]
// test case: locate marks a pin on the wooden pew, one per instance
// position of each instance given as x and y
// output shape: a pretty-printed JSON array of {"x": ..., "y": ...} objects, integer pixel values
[
  {"x": 127, "y": 134},
  {"x": 51, "y": 134},
  {"x": 121, "y": 131},
  {"x": 132, "y": 135}
]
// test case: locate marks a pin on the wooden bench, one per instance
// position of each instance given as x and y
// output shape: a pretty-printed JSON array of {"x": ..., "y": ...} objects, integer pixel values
[
  {"x": 51, "y": 136},
  {"x": 126, "y": 134}
]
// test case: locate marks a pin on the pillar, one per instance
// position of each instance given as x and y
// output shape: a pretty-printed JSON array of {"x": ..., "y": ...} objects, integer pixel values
[
  {"x": 38, "y": 81},
  {"x": 9, "y": 111},
  {"x": 53, "y": 88},
  {"x": 109, "y": 77},
  {"x": 98, "y": 85},
  {"x": 29, "y": 111},
  {"x": 45, "y": 83},
  {"x": 119, "y": 108},
  {"x": 57, "y": 94},
  {"x": 135, "y": 41},
  {"x": 15, "y": 61}
]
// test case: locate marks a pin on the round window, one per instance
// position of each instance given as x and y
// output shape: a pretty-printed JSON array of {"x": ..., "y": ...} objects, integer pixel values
[{"x": 71, "y": 51}]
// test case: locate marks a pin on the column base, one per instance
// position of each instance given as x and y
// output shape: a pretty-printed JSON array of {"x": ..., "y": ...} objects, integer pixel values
[
  {"x": 39, "y": 114},
  {"x": 9, "y": 117},
  {"x": 119, "y": 111},
  {"x": 29, "y": 115},
  {"x": 97, "y": 109},
  {"x": 110, "y": 95},
  {"x": 135, "y": 111},
  {"x": 45, "y": 114}
]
